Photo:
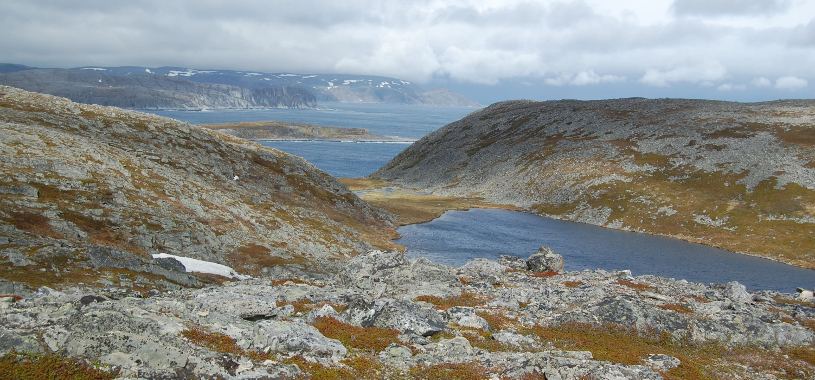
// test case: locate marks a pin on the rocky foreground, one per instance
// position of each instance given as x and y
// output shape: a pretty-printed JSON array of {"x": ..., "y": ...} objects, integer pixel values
[
  {"x": 383, "y": 316},
  {"x": 739, "y": 176}
]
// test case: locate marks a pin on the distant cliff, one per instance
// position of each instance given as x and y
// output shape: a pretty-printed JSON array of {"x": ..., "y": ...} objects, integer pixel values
[
  {"x": 734, "y": 175},
  {"x": 346, "y": 88},
  {"x": 151, "y": 91}
]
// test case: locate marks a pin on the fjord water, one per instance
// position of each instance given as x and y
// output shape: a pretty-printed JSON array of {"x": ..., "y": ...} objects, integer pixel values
[
  {"x": 341, "y": 159},
  {"x": 459, "y": 236}
]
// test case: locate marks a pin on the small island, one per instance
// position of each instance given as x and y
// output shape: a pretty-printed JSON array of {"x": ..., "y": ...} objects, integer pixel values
[{"x": 284, "y": 131}]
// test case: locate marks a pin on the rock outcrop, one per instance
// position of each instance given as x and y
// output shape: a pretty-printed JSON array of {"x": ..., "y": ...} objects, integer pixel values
[
  {"x": 150, "y": 91},
  {"x": 90, "y": 193},
  {"x": 740, "y": 176},
  {"x": 520, "y": 325}
]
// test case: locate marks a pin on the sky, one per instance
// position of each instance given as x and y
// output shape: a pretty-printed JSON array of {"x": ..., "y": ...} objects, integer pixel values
[{"x": 489, "y": 50}]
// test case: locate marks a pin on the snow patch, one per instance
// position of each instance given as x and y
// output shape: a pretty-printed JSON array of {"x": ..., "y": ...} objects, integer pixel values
[
  {"x": 201, "y": 266},
  {"x": 309, "y": 76},
  {"x": 288, "y": 75},
  {"x": 94, "y": 68},
  {"x": 148, "y": 71}
]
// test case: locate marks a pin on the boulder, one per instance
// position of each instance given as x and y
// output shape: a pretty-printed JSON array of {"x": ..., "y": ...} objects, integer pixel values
[
  {"x": 295, "y": 338},
  {"x": 545, "y": 260},
  {"x": 737, "y": 292},
  {"x": 513, "y": 262},
  {"x": 405, "y": 316}
]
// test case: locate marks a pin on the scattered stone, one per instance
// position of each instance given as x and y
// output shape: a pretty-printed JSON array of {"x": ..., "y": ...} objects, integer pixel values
[{"x": 545, "y": 260}]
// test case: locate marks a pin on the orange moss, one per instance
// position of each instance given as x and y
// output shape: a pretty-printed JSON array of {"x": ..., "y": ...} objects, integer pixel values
[{"x": 363, "y": 338}]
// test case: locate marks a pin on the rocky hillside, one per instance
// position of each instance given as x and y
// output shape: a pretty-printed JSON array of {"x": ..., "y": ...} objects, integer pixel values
[
  {"x": 384, "y": 317},
  {"x": 90, "y": 193},
  {"x": 150, "y": 91},
  {"x": 734, "y": 175},
  {"x": 285, "y": 131}
]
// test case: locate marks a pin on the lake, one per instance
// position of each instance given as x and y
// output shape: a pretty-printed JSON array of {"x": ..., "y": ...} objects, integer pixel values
[{"x": 458, "y": 236}]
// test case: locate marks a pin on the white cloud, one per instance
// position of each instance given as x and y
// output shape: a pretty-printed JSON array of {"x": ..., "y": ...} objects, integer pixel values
[
  {"x": 660, "y": 43},
  {"x": 731, "y": 87},
  {"x": 791, "y": 83},
  {"x": 583, "y": 78},
  {"x": 703, "y": 73},
  {"x": 761, "y": 82},
  {"x": 717, "y": 8}
]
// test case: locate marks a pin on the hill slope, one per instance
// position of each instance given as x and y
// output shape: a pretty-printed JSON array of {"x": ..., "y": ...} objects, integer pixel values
[
  {"x": 737, "y": 176},
  {"x": 149, "y": 91},
  {"x": 88, "y": 193},
  {"x": 285, "y": 131}
]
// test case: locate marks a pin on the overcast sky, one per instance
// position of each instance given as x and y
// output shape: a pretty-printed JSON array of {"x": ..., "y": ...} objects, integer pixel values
[{"x": 489, "y": 50}]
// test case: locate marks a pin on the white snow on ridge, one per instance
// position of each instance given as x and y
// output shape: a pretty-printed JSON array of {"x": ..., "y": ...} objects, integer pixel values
[
  {"x": 201, "y": 266},
  {"x": 148, "y": 71},
  {"x": 252, "y": 74},
  {"x": 288, "y": 75},
  {"x": 309, "y": 76},
  {"x": 187, "y": 73},
  {"x": 94, "y": 68}
]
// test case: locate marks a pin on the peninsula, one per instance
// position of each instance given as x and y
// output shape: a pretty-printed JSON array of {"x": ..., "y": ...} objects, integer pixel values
[{"x": 284, "y": 131}]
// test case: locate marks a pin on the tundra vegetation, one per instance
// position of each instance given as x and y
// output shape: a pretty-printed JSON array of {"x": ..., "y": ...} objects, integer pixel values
[{"x": 90, "y": 193}]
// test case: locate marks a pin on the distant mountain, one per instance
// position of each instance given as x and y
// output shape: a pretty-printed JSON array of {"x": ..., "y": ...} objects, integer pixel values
[
  {"x": 740, "y": 176},
  {"x": 153, "y": 91},
  {"x": 11, "y": 67},
  {"x": 326, "y": 87}
]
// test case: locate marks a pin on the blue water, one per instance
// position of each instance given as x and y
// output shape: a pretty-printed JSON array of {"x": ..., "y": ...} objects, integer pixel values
[
  {"x": 341, "y": 159},
  {"x": 458, "y": 236}
]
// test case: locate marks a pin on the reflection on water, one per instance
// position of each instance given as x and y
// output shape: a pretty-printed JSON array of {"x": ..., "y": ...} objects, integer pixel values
[{"x": 459, "y": 236}]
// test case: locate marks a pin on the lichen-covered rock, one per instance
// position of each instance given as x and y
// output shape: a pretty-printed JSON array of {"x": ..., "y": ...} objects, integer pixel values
[
  {"x": 405, "y": 316},
  {"x": 545, "y": 260}
]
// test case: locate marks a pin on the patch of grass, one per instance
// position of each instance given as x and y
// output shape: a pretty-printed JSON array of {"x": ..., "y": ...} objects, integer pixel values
[
  {"x": 253, "y": 258},
  {"x": 549, "y": 273},
  {"x": 372, "y": 339},
  {"x": 497, "y": 321},
  {"x": 573, "y": 284},
  {"x": 634, "y": 285},
  {"x": 221, "y": 343},
  {"x": 465, "y": 299},
  {"x": 449, "y": 371},
  {"x": 23, "y": 366},
  {"x": 682, "y": 309}
]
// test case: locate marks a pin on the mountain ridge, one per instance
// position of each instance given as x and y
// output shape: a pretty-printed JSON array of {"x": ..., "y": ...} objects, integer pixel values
[{"x": 739, "y": 176}]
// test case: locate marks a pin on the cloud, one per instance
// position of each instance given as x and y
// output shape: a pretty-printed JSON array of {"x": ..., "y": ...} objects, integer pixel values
[
  {"x": 583, "y": 78},
  {"x": 717, "y": 8},
  {"x": 702, "y": 73},
  {"x": 577, "y": 43},
  {"x": 761, "y": 82},
  {"x": 731, "y": 87},
  {"x": 791, "y": 83}
]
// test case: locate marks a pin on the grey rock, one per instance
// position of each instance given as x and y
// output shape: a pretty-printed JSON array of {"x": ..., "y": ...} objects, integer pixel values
[
  {"x": 405, "y": 316},
  {"x": 466, "y": 317},
  {"x": 545, "y": 260},
  {"x": 295, "y": 338},
  {"x": 662, "y": 362},
  {"x": 514, "y": 262},
  {"x": 737, "y": 292}
]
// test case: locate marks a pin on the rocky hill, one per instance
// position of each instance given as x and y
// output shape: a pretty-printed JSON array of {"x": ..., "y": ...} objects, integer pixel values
[
  {"x": 345, "y": 88},
  {"x": 285, "y": 131},
  {"x": 89, "y": 194},
  {"x": 382, "y": 316},
  {"x": 740, "y": 176},
  {"x": 151, "y": 91}
]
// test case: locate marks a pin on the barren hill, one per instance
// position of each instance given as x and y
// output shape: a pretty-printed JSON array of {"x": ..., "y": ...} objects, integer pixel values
[
  {"x": 88, "y": 193},
  {"x": 734, "y": 175}
]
